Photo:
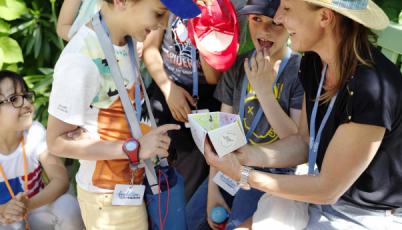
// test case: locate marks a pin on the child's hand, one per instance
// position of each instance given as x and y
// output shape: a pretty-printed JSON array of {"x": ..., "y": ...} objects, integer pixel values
[
  {"x": 77, "y": 134},
  {"x": 156, "y": 142},
  {"x": 215, "y": 199},
  {"x": 204, "y": 2},
  {"x": 15, "y": 209},
  {"x": 260, "y": 73},
  {"x": 179, "y": 101}
]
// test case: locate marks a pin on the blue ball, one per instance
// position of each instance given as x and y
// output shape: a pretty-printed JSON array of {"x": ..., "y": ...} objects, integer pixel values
[{"x": 219, "y": 214}]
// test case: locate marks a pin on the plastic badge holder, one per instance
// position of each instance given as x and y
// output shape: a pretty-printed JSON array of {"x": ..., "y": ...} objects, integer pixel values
[{"x": 223, "y": 129}]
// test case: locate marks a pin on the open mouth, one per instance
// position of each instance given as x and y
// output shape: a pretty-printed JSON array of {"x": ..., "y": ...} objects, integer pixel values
[
  {"x": 26, "y": 114},
  {"x": 265, "y": 44}
]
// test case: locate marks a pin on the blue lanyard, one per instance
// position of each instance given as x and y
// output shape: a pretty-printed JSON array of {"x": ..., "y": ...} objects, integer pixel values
[
  {"x": 131, "y": 49},
  {"x": 195, "y": 72},
  {"x": 258, "y": 116},
  {"x": 315, "y": 140}
]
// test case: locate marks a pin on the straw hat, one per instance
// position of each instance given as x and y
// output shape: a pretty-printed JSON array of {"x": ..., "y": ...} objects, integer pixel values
[{"x": 365, "y": 12}]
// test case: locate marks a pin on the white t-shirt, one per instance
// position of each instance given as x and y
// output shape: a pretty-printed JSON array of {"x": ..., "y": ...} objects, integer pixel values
[
  {"x": 13, "y": 164},
  {"x": 84, "y": 94}
]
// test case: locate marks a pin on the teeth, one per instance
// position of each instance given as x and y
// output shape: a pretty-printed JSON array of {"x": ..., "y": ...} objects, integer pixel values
[
  {"x": 264, "y": 40},
  {"x": 26, "y": 114}
]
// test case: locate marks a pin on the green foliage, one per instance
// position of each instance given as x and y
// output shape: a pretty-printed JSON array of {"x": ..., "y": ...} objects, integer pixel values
[
  {"x": 30, "y": 46},
  {"x": 36, "y": 33},
  {"x": 12, "y": 9},
  {"x": 10, "y": 51},
  {"x": 41, "y": 83},
  {"x": 391, "y": 7},
  {"x": 4, "y": 27}
]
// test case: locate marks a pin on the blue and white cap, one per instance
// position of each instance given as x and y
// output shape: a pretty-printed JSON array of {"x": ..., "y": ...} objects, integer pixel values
[
  {"x": 365, "y": 12},
  {"x": 182, "y": 8}
]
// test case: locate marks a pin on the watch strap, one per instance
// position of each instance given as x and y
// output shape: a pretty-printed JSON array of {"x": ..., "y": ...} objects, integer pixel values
[
  {"x": 244, "y": 174},
  {"x": 133, "y": 155}
]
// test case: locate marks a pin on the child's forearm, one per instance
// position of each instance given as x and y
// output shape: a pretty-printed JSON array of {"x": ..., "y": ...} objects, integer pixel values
[
  {"x": 65, "y": 140},
  {"x": 56, "y": 188},
  {"x": 283, "y": 125},
  {"x": 87, "y": 149},
  {"x": 212, "y": 76}
]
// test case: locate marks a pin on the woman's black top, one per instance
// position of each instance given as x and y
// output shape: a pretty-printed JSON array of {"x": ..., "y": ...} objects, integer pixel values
[{"x": 373, "y": 96}]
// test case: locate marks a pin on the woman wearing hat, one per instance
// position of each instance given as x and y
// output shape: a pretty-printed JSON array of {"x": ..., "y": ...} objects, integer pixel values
[{"x": 351, "y": 125}]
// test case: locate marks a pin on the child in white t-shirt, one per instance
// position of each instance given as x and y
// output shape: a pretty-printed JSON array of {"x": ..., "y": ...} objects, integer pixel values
[
  {"x": 84, "y": 96},
  {"x": 23, "y": 156}
]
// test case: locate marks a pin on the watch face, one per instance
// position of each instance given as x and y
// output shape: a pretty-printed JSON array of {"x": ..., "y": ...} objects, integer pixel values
[{"x": 131, "y": 146}]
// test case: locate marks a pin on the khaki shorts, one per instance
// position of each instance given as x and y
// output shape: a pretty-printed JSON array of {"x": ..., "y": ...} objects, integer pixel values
[{"x": 98, "y": 213}]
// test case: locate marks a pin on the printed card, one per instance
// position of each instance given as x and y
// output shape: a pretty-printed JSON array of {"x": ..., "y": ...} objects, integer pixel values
[
  {"x": 226, "y": 183},
  {"x": 224, "y": 130},
  {"x": 187, "y": 125},
  {"x": 125, "y": 194}
]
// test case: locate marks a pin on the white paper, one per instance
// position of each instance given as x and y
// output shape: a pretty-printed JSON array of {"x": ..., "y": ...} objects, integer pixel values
[
  {"x": 224, "y": 130},
  {"x": 187, "y": 124},
  {"x": 125, "y": 194},
  {"x": 226, "y": 183}
]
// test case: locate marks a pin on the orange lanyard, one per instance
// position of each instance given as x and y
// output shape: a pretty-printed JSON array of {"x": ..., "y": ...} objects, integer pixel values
[{"x": 10, "y": 190}]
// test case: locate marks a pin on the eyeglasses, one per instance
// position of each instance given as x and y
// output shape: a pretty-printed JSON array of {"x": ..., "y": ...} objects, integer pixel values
[{"x": 17, "y": 100}]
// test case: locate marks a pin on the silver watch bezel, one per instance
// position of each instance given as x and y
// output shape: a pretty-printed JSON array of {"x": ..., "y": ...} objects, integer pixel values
[{"x": 244, "y": 174}]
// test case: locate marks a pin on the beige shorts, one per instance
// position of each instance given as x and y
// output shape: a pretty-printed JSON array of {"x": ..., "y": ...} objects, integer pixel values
[{"x": 98, "y": 213}]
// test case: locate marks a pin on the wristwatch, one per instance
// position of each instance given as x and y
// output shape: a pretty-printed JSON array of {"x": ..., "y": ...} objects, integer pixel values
[
  {"x": 244, "y": 173},
  {"x": 132, "y": 149}
]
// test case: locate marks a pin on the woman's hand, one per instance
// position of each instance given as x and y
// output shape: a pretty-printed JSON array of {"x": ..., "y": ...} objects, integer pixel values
[{"x": 228, "y": 165}]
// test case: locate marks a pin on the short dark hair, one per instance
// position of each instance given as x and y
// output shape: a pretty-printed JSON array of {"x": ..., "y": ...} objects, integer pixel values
[{"x": 15, "y": 77}]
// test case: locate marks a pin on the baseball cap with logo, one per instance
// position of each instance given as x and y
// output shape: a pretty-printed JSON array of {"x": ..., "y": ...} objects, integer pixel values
[
  {"x": 215, "y": 34},
  {"x": 182, "y": 8}
]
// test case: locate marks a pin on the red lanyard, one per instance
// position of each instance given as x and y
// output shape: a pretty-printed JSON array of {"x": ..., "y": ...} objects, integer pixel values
[{"x": 10, "y": 190}]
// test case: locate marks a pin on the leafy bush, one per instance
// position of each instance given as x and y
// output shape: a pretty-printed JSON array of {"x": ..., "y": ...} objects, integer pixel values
[
  {"x": 29, "y": 45},
  {"x": 391, "y": 7}
]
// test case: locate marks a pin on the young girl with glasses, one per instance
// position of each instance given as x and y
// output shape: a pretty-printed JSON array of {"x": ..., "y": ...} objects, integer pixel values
[{"x": 24, "y": 198}]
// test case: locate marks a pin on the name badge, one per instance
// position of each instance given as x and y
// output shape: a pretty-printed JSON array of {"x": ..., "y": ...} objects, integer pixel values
[
  {"x": 226, "y": 183},
  {"x": 187, "y": 125},
  {"x": 125, "y": 194}
]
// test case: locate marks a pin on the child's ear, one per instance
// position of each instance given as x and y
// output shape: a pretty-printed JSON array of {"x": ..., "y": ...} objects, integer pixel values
[{"x": 327, "y": 17}]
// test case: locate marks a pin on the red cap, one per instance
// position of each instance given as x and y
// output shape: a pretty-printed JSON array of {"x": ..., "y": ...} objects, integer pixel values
[{"x": 215, "y": 34}]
